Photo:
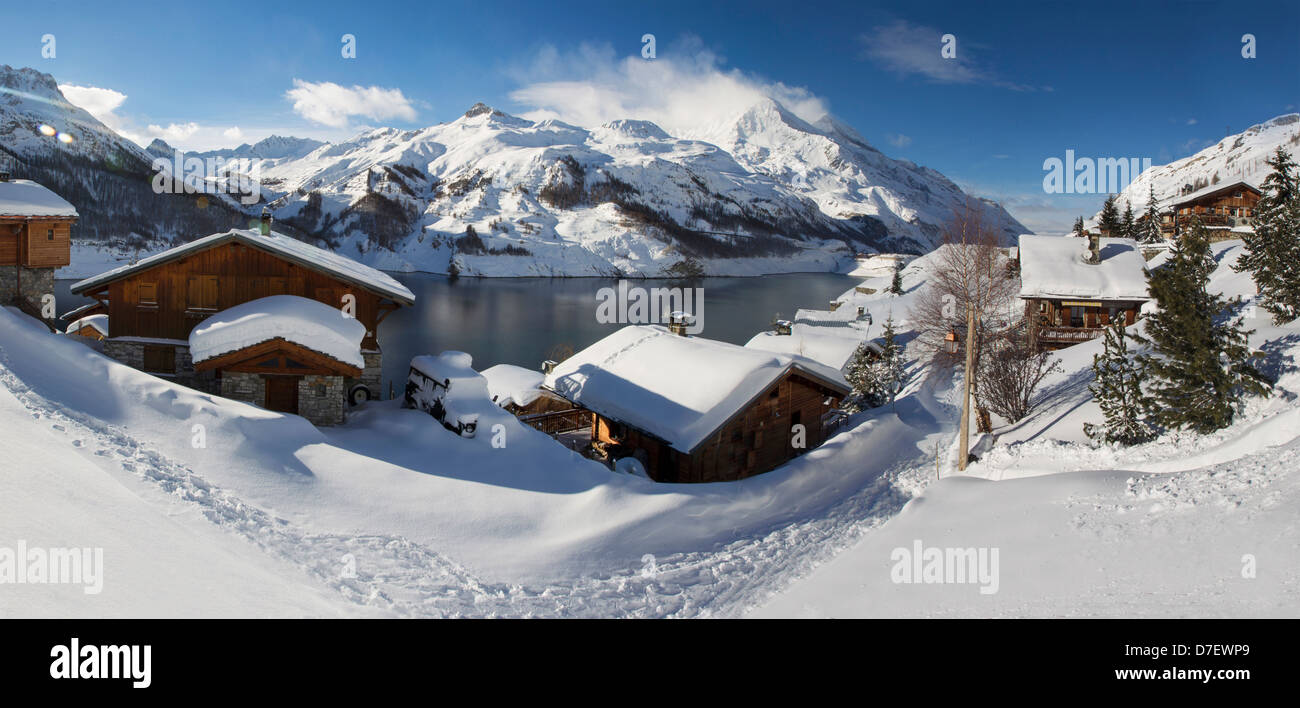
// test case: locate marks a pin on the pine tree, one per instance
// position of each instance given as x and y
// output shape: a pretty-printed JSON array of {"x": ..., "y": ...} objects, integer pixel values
[
  {"x": 896, "y": 286},
  {"x": 1149, "y": 231},
  {"x": 1078, "y": 226},
  {"x": 864, "y": 378},
  {"x": 1110, "y": 223},
  {"x": 1272, "y": 252},
  {"x": 1127, "y": 229},
  {"x": 1117, "y": 387},
  {"x": 1199, "y": 370},
  {"x": 892, "y": 374}
]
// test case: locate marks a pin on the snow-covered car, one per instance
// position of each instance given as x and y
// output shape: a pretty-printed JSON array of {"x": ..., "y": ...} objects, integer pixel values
[{"x": 449, "y": 389}]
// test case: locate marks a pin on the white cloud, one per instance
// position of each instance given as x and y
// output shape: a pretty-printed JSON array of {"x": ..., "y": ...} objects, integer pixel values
[
  {"x": 1191, "y": 121},
  {"x": 898, "y": 140},
  {"x": 333, "y": 105},
  {"x": 233, "y": 133},
  {"x": 686, "y": 90},
  {"x": 102, "y": 103},
  {"x": 907, "y": 49},
  {"x": 175, "y": 132}
]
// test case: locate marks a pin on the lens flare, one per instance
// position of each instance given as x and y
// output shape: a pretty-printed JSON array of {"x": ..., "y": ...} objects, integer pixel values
[
  {"x": 47, "y": 130},
  {"x": 65, "y": 138}
]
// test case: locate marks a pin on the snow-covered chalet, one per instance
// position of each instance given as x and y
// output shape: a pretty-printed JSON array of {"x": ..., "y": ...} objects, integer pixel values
[
  {"x": 690, "y": 409},
  {"x": 253, "y": 315},
  {"x": 35, "y": 239},
  {"x": 1073, "y": 287}
]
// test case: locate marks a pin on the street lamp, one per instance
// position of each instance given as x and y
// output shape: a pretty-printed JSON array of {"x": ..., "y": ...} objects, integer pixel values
[{"x": 950, "y": 342}]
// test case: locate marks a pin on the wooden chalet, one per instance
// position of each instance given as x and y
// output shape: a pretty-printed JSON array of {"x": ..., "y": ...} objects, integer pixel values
[
  {"x": 698, "y": 410},
  {"x": 155, "y": 305},
  {"x": 1073, "y": 289},
  {"x": 35, "y": 239},
  {"x": 1224, "y": 207},
  {"x": 93, "y": 327}
]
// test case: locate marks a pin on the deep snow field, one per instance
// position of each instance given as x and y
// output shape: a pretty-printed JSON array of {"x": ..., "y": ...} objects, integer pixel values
[{"x": 268, "y": 516}]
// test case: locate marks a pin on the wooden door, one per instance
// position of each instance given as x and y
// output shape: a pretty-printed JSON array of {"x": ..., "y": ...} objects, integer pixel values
[{"x": 282, "y": 393}]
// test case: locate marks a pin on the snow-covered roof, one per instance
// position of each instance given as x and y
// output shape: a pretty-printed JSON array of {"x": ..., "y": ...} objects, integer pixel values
[
  {"x": 292, "y": 249},
  {"x": 1054, "y": 267},
  {"x": 304, "y": 322},
  {"x": 76, "y": 313},
  {"x": 99, "y": 322},
  {"x": 831, "y": 346},
  {"x": 1182, "y": 199},
  {"x": 25, "y": 198},
  {"x": 679, "y": 389},
  {"x": 508, "y": 384}
]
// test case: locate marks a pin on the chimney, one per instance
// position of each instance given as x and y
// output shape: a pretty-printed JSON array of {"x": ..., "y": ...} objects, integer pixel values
[
  {"x": 1094, "y": 249},
  {"x": 266, "y": 221},
  {"x": 677, "y": 322},
  {"x": 548, "y": 366},
  {"x": 835, "y": 305},
  {"x": 784, "y": 327}
]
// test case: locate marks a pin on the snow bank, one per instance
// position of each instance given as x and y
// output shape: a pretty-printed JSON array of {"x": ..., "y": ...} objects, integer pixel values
[{"x": 308, "y": 323}]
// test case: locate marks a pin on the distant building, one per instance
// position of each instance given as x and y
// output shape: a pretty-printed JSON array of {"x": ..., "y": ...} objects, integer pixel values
[
  {"x": 35, "y": 239},
  {"x": 1220, "y": 207},
  {"x": 155, "y": 306},
  {"x": 1073, "y": 288},
  {"x": 697, "y": 410},
  {"x": 91, "y": 327}
]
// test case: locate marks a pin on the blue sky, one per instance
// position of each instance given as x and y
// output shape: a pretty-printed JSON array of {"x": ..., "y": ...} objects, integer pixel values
[{"x": 1030, "y": 80}]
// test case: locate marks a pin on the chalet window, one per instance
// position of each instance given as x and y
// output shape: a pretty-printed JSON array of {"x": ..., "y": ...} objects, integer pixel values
[
  {"x": 1076, "y": 316},
  {"x": 49, "y": 234},
  {"x": 201, "y": 293},
  {"x": 147, "y": 294},
  {"x": 159, "y": 359},
  {"x": 1237, "y": 195}
]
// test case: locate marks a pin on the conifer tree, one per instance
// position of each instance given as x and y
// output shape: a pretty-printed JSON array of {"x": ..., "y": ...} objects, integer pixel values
[
  {"x": 1110, "y": 223},
  {"x": 1078, "y": 226},
  {"x": 1117, "y": 387},
  {"x": 892, "y": 375},
  {"x": 1199, "y": 370},
  {"x": 896, "y": 286},
  {"x": 1149, "y": 232},
  {"x": 864, "y": 378},
  {"x": 1127, "y": 229},
  {"x": 1272, "y": 252}
]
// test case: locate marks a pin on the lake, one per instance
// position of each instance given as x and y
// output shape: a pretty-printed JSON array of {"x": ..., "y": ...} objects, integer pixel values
[{"x": 522, "y": 320}]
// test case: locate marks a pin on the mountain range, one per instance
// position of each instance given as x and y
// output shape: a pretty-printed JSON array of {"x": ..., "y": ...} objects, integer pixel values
[{"x": 494, "y": 194}]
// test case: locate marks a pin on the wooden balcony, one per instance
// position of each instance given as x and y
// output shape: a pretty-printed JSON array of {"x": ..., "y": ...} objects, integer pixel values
[{"x": 1068, "y": 335}]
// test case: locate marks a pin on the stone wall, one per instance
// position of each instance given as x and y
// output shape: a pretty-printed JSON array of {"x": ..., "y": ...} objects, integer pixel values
[
  {"x": 372, "y": 376},
  {"x": 31, "y": 283},
  {"x": 249, "y": 388},
  {"x": 129, "y": 353},
  {"x": 321, "y": 399}
]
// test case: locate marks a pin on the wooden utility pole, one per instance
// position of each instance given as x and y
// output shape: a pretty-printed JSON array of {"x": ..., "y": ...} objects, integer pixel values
[{"x": 965, "y": 397}]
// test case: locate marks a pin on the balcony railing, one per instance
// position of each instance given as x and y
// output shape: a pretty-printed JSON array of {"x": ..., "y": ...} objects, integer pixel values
[{"x": 1070, "y": 334}]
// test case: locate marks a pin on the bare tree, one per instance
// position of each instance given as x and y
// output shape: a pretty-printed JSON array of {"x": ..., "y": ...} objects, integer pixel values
[
  {"x": 970, "y": 268},
  {"x": 1009, "y": 374}
]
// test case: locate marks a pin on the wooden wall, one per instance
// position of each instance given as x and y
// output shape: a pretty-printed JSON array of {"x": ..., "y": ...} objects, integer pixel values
[
  {"x": 755, "y": 441},
  {"x": 168, "y": 300},
  {"x": 33, "y": 244}
]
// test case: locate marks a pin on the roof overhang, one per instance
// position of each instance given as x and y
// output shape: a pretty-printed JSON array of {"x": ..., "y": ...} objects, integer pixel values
[{"x": 250, "y": 358}]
